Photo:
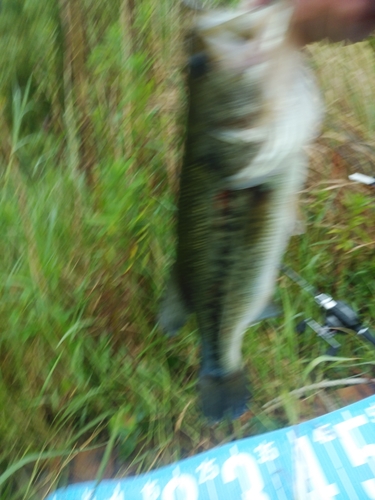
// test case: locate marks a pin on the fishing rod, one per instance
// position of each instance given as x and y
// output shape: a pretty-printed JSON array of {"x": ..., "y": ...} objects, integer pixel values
[{"x": 338, "y": 315}]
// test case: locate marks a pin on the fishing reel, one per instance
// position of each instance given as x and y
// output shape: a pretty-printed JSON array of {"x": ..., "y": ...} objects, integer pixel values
[{"x": 339, "y": 317}]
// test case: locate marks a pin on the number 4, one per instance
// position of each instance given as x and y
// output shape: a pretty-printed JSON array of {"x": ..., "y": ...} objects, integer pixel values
[{"x": 311, "y": 483}]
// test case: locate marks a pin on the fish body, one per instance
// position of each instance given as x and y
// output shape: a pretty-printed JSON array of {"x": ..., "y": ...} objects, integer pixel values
[{"x": 253, "y": 108}]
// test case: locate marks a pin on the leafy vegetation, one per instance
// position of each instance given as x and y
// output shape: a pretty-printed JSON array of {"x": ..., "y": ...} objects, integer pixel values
[{"x": 92, "y": 111}]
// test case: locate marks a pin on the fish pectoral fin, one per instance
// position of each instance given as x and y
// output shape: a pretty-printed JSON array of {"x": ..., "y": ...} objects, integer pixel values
[
  {"x": 173, "y": 311},
  {"x": 248, "y": 180},
  {"x": 237, "y": 136},
  {"x": 270, "y": 311},
  {"x": 224, "y": 396}
]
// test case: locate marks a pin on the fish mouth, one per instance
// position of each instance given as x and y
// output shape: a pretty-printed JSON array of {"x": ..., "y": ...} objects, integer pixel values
[{"x": 247, "y": 36}]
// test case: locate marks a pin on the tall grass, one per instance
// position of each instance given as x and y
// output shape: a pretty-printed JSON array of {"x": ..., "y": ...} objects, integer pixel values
[{"x": 92, "y": 116}]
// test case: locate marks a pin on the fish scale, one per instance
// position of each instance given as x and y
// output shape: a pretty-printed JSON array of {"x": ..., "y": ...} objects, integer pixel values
[
  {"x": 226, "y": 232},
  {"x": 250, "y": 117},
  {"x": 246, "y": 269}
]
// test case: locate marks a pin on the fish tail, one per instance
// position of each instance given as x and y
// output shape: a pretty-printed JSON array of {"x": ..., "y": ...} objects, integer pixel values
[
  {"x": 173, "y": 312},
  {"x": 224, "y": 396}
]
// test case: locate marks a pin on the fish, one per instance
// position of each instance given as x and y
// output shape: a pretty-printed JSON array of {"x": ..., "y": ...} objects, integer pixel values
[{"x": 253, "y": 109}]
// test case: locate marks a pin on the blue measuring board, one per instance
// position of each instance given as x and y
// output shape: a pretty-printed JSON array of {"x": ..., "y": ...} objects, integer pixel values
[{"x": 329, "y": 457}]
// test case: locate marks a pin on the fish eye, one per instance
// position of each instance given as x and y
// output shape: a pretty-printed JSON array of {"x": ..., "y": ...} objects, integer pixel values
[{"x": 245, "y": 36}]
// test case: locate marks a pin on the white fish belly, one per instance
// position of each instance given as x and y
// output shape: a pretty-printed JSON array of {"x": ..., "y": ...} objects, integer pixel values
[
  {"x": 284, "y": 178},
  {"x": 267, "y": 257}
]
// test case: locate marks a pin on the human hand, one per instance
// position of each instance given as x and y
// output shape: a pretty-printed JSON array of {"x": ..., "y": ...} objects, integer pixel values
[{"x": 334, "y": 20}]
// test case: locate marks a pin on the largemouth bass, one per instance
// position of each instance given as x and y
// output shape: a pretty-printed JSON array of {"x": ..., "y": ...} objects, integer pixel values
[{"x": 253, "y": 108}]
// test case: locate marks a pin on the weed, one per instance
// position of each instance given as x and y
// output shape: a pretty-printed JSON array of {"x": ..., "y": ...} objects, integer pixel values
[{"x": 90, "y": 147}]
